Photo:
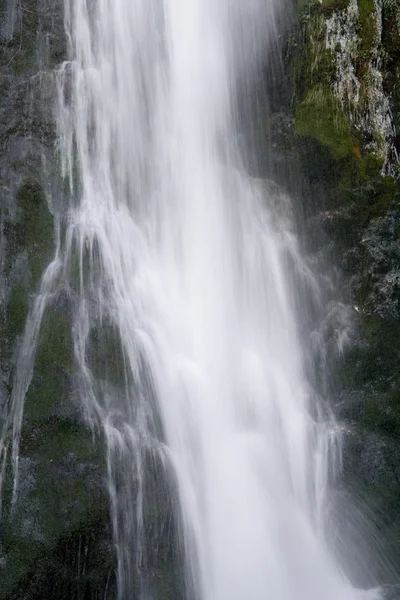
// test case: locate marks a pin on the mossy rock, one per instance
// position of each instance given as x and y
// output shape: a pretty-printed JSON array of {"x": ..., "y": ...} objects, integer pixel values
[
  {"x": 367, "y": 28},
  {"x": 17, "y": 311},
  {"x": 80, "y": 565},
  {"x": 32, "y": 236},
  {"x": 62, "y": 464},
  {"x": 357, "y": 205},
  {"x": 391, "y": 62},
  {"x": 320, "y": 116},
  {"x": 35, "y": 230},
  {"x": 50, "y": 386},
  {"x": 329, "y": 6},
  {"x": 61, "y": 491},
  {"x": 106, "y": 355}
]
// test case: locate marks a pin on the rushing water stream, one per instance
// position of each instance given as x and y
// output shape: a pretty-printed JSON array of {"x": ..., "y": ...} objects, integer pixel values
[{"x": 194, "y": 269}]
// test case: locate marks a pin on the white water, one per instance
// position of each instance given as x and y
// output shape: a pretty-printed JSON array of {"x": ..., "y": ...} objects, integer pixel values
[
  {"x": 187, "y": 262},
  {"x": 190, "y": 263}
]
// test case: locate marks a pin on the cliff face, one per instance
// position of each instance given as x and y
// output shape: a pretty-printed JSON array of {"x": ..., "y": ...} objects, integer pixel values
[
  {"x": 345, "y": 72},
  {"x": 56, "y": 539},
  {"x": 56, "y": 542},
  {"x": 343, "y": 60},
  {"x": 339, "y": 122}
]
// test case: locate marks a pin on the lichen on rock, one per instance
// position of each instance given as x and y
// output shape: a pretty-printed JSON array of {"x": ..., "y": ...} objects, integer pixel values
[
  {"x": 345, "y": 49},
  {"x": 344, "y": 63}
]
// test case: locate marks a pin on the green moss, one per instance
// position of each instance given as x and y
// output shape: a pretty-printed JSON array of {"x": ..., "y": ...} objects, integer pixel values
[
  {"x": 34, "y": 232},
  {"x": 313, "y": 68},
  {"x": 31, "y": 235},
  {"x": 22, "y": 557},
  {"x": 319, "y": 116},
  {"x": 391, "y": 27},
  {"x": 43, "y": 394},
  {"x": 53, "y": 438},
  {"x": 54, "y": 363},
  {"x": 367, "y": 28},
  {"x": 55, "y": 342},
  {"x": 106, "y": 356},
  {"x": 372, "y": 166},
  {"x": 67, "y": 465},
  {"x": 65, "y": 498},
  {"x": 32, "y": 202},
  {"x": 391, "y": 60},
  {"x": 310, "y": 63},
  {"x": 347, "y": 188},
  {"x": 79, "y": 564},
  {"x": 334, "y": 5},
  {"x": 17, "y": 311}
]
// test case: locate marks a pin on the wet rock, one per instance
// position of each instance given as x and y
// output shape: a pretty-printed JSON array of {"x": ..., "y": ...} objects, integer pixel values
[
  {"x": 56, "y": 539},
  {"x": 345, "y": 98}
]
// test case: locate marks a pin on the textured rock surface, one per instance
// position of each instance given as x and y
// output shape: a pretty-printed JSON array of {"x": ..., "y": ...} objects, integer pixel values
[
  {"x": 56, "y": 541},
  {"x": 56, "y": 538},
  {"x": 342, "y": 58}
]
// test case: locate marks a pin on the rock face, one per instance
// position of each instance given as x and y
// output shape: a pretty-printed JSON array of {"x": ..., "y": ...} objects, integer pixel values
[
  {"x": 335, "y": 117},
  {"x": 343, "y": 61},
  {"x": 56, "y": 541}
]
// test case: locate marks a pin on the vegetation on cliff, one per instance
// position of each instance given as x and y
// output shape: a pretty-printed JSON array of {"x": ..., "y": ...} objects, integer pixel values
[{"x": 343, "y": 60}]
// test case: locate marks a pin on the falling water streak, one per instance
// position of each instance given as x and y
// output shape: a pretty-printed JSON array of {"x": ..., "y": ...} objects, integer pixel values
[
  {"x": 11, "y": 428},
  {"x": 195, "y": 266}
]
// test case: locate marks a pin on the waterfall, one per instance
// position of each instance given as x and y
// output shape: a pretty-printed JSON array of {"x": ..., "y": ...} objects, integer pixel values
[{"x": 186, "y": 274}]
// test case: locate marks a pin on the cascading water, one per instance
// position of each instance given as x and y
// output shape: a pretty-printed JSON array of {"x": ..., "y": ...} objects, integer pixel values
[{"x": 189, "y": 267}]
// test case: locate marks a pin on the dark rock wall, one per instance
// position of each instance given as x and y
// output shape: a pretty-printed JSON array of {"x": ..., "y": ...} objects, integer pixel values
[
  {"x": 342, "y": 58},
  {"x": 56, "y": 542}
]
